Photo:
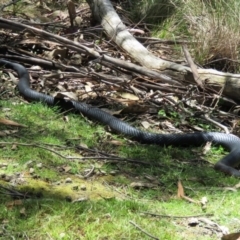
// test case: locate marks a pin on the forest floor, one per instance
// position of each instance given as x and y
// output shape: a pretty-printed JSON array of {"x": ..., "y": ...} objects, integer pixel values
[{"x": 64, "y": 176}]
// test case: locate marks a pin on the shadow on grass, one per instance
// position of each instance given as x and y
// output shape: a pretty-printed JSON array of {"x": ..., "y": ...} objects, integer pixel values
[
  {"x": 64, "y": 206},
  {"x": 165, "y": 165}
]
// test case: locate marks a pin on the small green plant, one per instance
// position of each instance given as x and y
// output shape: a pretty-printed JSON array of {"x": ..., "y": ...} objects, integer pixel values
[
  {"x": 162, "y": 113},
  {"x": 174, "y": 114}
]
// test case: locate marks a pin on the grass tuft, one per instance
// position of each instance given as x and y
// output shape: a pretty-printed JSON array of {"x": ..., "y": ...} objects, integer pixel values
[{"x": 211, "y": 26}]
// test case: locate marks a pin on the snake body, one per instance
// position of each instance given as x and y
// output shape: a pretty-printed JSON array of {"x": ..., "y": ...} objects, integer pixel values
[{"x": 229, "y": 141}]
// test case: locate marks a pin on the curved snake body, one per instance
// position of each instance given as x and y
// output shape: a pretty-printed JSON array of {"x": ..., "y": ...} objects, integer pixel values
[{"x": 229, "y": 141}]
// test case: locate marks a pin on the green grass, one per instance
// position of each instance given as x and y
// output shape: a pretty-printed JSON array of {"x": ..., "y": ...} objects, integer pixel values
[{"x": 109, "y": 202}]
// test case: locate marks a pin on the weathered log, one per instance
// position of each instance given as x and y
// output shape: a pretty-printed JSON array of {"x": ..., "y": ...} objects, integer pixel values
[
  {"x": 104, "y": 12},
  {"x": 227, "y": 83},
  {"x": 230, "y": 83}
]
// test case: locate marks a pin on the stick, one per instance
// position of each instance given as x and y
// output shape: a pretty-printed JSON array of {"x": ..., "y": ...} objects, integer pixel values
[
  {"x": 135, "y": 225},
  {"x": 193, "y": 67}
]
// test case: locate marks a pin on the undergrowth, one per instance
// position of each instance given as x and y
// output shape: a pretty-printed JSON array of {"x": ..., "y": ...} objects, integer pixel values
[{"x": 211, "y": 28}]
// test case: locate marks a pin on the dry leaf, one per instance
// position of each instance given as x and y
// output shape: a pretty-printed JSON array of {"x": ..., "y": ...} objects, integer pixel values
[
  {"x": 142, "y": 185},
  {"x": 66, "y": 168},
  {"x": 69, "y": 95},
  {"x": 23, "y": 211},
  {"x": 76, "y": 59},
  {"x": 115, "y": 142},
  {"x": 81, "y": 199},
  {"x": 66, "y": 119},
  {"x": 12, "y": 77},
  {"x": 231, "y": 236},
  {"x": 78, "y": 20},
  {"x": 44, "y": 6},
  {"x": 88, "y": 88},
  {"x": 207, "y": 147},
  {"x": 59, "y": 53},
  {"x": 237, "y": 185},
  {"x": 129, "y": 96},
  {"x": 83, "y": 145},
  {"x": 204, "y": 202},
  {"x": 232, "y": 189},
  {"x": 11, "y": 123},
  {"x": 134, "y": 108},
  {"x": 180, "y": 192},
  {"x": 6, "y": 109},
  {"x": 61, "y": 88},
  {"x": 7, "y": 132},
  {"x": 2, "y": 134},
  {"x": 14, "y": 203},
  {"x": 14, "y": 147},
  {"x": 58, "y": 14},
  {"x": 145, "y": 124},
  {"x": 71, "y": 11}
]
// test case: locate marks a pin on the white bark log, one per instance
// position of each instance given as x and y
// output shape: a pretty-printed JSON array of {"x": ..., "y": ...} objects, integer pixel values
[{"x": 104, "y": 12}]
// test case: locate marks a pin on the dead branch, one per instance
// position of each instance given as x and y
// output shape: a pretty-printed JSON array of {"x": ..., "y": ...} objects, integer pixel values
[
  {"x": 193, "y": 67},
  {"x": 104, "y": 157}
]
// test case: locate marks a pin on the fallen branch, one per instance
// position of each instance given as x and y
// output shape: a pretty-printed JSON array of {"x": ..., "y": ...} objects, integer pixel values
[
  {"x": 193, "y": 67},
  {"x": 172, "y": 216},
  {"x": 13, "y": 193},
  {"x": 207, "y": 117},
  {"x": 108, "y": 157}
]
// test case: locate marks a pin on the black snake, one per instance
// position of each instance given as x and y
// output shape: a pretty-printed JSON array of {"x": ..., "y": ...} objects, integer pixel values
[{"x": 229, "y": 141}]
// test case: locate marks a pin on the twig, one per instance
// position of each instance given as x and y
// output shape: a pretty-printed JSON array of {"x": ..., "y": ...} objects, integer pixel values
[
  {"x": 90, "y": 172},
  {"x": 170, "y": 216},
  {"x": 35, "y": 145},
  {"x": 193, "y": 67},
  {"x": 12, "y": 192},
  {"x": 114, "y": 158},
  {"x": 44, "y": 63},
  {"x": 2, "y": 93},
  {"x": 206, "y": 116},
  {"x": 110, "y": 156},
  {"x": 135, "y": 225},
  {"x": 152, "y": 40}
]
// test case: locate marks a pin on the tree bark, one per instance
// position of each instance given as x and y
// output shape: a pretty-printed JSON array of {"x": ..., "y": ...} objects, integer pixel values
[{"x": 229, "y": 83}]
